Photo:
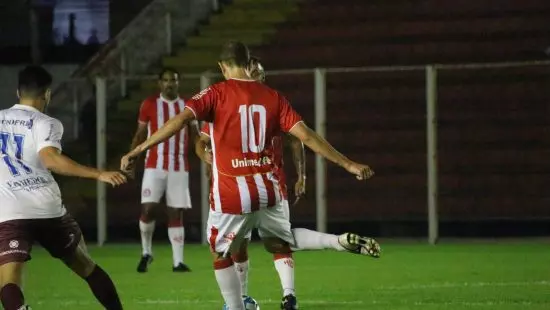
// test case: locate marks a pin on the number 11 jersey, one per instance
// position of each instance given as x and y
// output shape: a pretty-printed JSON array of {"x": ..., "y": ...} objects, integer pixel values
[
  {"x": 27, "y": 189},
  {"x": 245, "y": 116}
]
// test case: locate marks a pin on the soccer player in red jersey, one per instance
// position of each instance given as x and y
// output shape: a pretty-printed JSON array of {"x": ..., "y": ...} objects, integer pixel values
[
  {"x": 305, "y": 239},
  {"x": 166, "y": 170},
  {"x": 245, "y": 114}
]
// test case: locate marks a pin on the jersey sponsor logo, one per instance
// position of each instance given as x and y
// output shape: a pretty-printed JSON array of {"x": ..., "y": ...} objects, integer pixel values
[
  {"x": 245, "y": 162},
  {"x": 202, "y": 93},
  {"x": 29, "y": 184},
  {"x": 18, "y": 122}
]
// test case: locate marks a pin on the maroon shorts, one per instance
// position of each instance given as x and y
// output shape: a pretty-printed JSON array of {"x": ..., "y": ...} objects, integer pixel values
[{"x": 59, "y": 236}]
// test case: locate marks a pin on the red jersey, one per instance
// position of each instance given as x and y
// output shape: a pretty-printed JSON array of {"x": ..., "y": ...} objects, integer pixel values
[
  {"x": 244, "y": 115},
  {"x": 170, "y": 155},
  {"x": 276, "y": 158}
]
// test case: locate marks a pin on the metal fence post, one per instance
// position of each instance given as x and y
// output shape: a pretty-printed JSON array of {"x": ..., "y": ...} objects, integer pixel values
[
  {"x": 205, "y": 189},
  {"x": 431, "y": 136},
  {"x": 101, "y": 97},
  {"x": 320, "y": 164}
]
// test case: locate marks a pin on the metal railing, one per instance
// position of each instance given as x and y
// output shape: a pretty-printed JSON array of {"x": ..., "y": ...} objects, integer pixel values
[
  {"x": 149, "y": 36},
  {"x": 318, "y": 75}
]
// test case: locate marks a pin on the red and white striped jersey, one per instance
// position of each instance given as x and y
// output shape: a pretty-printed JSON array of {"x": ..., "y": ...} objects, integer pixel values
[
  {"x": 276, "y": 158},
  {"x": 244, "y": 115},
  {"x": 170, "y": 155}
]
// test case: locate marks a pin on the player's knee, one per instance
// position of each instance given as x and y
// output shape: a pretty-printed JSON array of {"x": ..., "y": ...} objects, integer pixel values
[
  {"x": 175, "y": 214},
  {"x": 80, "y": 261},
  {"x": 11, "y": 273},
  {"x": 148, "y": 212},
  {"x": 221, "y": 262},
  {"x": 240, "y": 256},
  {"x": 276, "y": 246}
]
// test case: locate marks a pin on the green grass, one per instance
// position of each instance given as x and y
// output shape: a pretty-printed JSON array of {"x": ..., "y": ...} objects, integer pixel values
[{"x": 481, "y": 275}]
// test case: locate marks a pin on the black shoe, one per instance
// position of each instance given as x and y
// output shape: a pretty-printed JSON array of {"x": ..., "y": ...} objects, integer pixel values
[
  {"x": 144, "y": 263},
  {"x": 289, "y": 302},
  {"x": 181, "y": 267}
]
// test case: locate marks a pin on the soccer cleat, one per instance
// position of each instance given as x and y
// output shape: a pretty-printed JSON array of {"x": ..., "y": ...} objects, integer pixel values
[
  {"x": 144, "y": 263},
  {"x": 181, "y": 267},
  {"x": 25, "y": 307},
  {"x": 289, "y": 302},
  {"x": 359, "y": 245}
]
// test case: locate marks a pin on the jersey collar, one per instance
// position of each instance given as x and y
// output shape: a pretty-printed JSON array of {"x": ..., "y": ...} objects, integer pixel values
[
  {"x": 243, "y": 80},
  {"x": 168, "y": 100},
  {"x": 24, "y": 107}
]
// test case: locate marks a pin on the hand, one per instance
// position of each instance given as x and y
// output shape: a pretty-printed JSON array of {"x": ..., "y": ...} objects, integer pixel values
[
  {"x": 114, "y": 178},
  {"x": 208, "y": 157},
  {"x": 299, "y": 189},
  {"x": 127, "y": 162},
  {"x": 361, "y": 172}
]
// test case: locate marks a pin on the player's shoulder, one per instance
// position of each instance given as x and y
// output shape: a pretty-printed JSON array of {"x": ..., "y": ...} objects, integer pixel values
[
  {"x": 41, "y": 118},
  {"x": 214, "y": 88},
  {"x": 151, "y": 100}
]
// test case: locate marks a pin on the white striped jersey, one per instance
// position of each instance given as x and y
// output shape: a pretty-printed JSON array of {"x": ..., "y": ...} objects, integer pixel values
[{"x": 170, "y": 155}]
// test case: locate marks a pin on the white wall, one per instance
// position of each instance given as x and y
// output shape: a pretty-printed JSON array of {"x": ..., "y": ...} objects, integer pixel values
[{"x": 8, "y": 76}]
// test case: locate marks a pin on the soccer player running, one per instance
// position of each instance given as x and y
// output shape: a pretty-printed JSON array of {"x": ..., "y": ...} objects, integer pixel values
[
  {"x": 166, "y": 170},
  {"x": 245, "y": 115},
  {"x": 305, "y": 239},
  {"x": 31, "y": 207}
]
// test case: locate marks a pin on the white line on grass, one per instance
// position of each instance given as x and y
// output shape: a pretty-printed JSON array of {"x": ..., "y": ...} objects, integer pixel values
[
  {"x": 184, "y": 301},
  {"x": 460, "y": 284}
]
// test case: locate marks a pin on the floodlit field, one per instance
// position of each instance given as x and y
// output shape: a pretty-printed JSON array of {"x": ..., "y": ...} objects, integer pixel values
[{"x": 478, "y": 275}]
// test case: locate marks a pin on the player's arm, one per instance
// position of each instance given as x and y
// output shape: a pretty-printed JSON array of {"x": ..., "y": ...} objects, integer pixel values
[
  {"x": 198, "y": 107},
  {"x": 202, "y": 146},
  {"x": 202, "y": 149},
  {"x": 299, "y": 160},
  {"x": 170, "y": 128},
  {"x": 48, "y": 136},
  {"x": 146, "y": 112},
  {"x": 298, "y": 156},
  {"x": 140, "y": 136}
]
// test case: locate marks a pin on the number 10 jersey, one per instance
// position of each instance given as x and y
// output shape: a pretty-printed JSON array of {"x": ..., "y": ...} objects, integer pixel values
[
  {"x": 27, "y": 189},
  {"x": 245, "y": 116}
]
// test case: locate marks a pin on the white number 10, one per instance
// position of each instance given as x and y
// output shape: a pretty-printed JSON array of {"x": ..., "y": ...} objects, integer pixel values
[{"x": 249, "y": 133}]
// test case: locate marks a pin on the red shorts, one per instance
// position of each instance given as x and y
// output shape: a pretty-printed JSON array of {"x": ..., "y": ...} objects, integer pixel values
[{"x": 60, "y": 236}]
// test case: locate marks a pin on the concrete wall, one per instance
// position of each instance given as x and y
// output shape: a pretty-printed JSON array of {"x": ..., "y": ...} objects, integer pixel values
[{"x": 8, "y": 76}]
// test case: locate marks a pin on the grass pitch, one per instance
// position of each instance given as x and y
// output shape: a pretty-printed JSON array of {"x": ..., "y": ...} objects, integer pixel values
[{"x": 480, "y": 275}]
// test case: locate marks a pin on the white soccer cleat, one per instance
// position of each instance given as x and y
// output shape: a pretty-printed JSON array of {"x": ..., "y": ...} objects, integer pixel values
[{"x": 359, "y": 245}]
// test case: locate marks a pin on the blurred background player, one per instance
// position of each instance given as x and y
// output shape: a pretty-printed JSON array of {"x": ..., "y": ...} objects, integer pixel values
[
  {"x": 32, "y": 210},
  {"x": 245, "y": 190},
  {"x": 166, "y": 170},
  {"x": 305, "y": 239}
]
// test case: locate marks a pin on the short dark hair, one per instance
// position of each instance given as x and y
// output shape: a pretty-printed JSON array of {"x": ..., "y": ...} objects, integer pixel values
[
  {"x": 165, "y": 70},
  {"x": 235, "y": 53},
  {"x": 34, "y": 81}
]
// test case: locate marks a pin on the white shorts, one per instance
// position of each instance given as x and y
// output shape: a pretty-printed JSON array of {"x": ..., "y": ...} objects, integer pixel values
[
  {"x": 157, "y": 182},
  {"x": 226, "y": 232}
]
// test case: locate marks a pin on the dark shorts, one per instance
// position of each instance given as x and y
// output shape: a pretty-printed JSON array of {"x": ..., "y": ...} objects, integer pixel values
[{"x": 59, "y": 236}]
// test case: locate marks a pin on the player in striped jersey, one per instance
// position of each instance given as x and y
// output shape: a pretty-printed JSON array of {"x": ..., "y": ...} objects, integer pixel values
[
  {"x": 166, "y": 170},
  {"x": 305, "y": 239},
  {"x": 245, "y": 115}
]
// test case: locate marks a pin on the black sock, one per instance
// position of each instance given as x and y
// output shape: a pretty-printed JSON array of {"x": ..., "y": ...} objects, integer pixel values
[
  {"x": 104, "y": 289},
  {"x": 12, "y": 297}
]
